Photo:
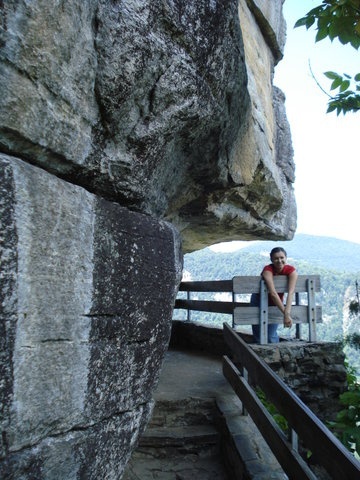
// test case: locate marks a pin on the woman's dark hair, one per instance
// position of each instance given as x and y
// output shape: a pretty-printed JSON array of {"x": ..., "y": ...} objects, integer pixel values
[{"x": 277, "y": 250}]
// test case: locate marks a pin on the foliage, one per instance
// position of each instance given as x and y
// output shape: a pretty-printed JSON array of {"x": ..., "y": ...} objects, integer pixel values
[
  {"x": 347, "y": 424},
  {"x": 338, "y": 19},
  {"x": 352, "y": 340},
  {"x": 279, "y": 419},
  {"x": 335, "y": 19},
  {"x": 354, "y": 305}
]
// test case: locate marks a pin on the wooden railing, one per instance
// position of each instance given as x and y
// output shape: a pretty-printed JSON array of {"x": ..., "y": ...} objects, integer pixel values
[
  {"x": 246, "y": 369},
  {"x": 244, "y": 313}
]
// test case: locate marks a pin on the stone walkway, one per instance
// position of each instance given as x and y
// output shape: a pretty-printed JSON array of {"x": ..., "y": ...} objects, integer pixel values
[{"x": 183, "y": 442}]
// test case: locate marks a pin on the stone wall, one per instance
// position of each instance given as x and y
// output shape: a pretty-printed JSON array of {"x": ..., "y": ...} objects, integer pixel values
[{"x": 315, "y": 371}]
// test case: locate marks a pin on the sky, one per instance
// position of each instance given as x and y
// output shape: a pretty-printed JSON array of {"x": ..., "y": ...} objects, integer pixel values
[{"x": 326, "y": 146}]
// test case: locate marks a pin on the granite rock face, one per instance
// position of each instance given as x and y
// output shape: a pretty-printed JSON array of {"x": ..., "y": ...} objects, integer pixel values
[
  {"x": 126, "y": 128},
  {"x": 166, "y": 107},
  {"x": 87, "y": 289}
]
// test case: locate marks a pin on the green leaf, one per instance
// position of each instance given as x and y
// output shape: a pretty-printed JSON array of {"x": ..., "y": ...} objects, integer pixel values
[
  {"x": 336, "y": 83},
  {"x": 301, "y": 22},
  {"x": 355, "y": 42},
  {"x": 344, "y": 85},
  {"x": 324, "y": 22},
  {"x": 321, "y": 34},
  {"x": 338, "y": 19},
  {"x": 331, "y": 107},
  {"x": 310, "y": 22},
  {"x": 332, "y": 75}
]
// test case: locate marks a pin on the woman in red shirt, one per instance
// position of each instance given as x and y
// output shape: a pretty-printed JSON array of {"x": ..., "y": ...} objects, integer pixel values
[{"x": 278, "y": 266}]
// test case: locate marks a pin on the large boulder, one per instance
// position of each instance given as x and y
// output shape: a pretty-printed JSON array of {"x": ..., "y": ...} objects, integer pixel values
[
  {"x": 166, "y": 107},
  {"x": 87, "y": 291}
]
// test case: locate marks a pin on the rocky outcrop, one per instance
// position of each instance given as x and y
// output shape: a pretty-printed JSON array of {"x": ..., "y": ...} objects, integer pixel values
[
  {"x": 87, "y": 289},
  {"x": 121, "y": 124},
  {"x": 164, "y": 107}
]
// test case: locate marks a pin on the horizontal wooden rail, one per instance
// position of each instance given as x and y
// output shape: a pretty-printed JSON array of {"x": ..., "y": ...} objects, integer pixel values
[
  {"x": 210, "y": 286},
  {"x": 244, "y": 313},
  {"x": 329, "y": 451},
  {"x": 249, "y": 315},
  {"x": 251, "y": 284},
  {"x": 209, "y": 306}
]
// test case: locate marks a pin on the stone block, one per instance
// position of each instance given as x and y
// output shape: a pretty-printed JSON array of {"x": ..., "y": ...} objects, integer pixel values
[{"x": 87, "y": 291}]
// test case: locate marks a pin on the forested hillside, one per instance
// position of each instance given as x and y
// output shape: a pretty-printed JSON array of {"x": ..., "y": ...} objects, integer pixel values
[{"x": 336, "y": 261}]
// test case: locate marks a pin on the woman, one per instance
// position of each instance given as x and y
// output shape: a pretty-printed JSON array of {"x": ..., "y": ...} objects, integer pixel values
[{"x": 278, "y": 266}]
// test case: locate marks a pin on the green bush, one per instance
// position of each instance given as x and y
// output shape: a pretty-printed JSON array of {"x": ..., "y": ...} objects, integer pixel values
[{"x": 347, "y": 424}]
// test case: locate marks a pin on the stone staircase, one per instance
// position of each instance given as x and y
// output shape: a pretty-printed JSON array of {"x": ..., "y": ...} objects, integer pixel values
[{"x": 181, "y": 442}]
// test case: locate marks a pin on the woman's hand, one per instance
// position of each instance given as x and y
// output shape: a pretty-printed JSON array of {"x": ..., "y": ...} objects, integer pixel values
[{"x": 287, "y": 320}]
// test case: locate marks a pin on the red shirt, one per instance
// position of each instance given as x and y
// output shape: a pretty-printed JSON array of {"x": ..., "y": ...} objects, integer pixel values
[{"x": 287, "y": 270}]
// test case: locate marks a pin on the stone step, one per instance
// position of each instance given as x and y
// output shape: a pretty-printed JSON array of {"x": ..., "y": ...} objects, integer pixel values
[
  {"x": 181, "y": 452},
  {"x": 191, "y": 411},
  {"x": 180, "y": 442},
  {"x": 181, "y": 436},
  {"x": 143, "y": 466}
]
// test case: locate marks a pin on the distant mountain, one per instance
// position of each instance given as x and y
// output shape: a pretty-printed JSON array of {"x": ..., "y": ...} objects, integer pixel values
[
  {"x": 326, "y": 252},
  {"x": 308, "y": 253}
]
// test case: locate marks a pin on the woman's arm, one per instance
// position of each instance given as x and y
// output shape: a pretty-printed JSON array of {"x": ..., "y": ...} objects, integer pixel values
[
  {"x": 286, "y": 310},
  {"x": 269, "y": 280},
  {"x": 291, "y": 290}
]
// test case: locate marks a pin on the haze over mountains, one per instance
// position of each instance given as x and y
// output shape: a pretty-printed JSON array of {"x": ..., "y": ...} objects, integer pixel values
[
  {"x": 318, "y": 252},
  {"x": 326, "y": 252}
]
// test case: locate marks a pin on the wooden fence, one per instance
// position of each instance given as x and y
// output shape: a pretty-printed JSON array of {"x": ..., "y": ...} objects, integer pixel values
[
  {"x": 247, "y": 368},
  {"x": 304, "y": 311}
]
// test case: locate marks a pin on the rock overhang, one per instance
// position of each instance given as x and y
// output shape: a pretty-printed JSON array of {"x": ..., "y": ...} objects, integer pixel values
[{"x": 167, "y": 108}]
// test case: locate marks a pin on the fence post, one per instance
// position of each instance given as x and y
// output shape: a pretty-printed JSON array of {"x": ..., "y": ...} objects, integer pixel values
[
  {"x": 298, "y": 325},
  {"x": 245, "y": 376},
  {"x": 264, "y": 317},
  {"x": 188, "y": 296},
  {"x": 294, "y": 440},
  {"x": 311, "y": 309}
]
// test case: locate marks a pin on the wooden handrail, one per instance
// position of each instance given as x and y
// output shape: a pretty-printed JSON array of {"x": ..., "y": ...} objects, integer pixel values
[
  {"x": 246, "y": 284},
  {"x": 330, "y": 452},
  {"x": 251, "y": 284},
  {"x": 207, "y": 286},
  {"x": 209, "y": 306}
]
